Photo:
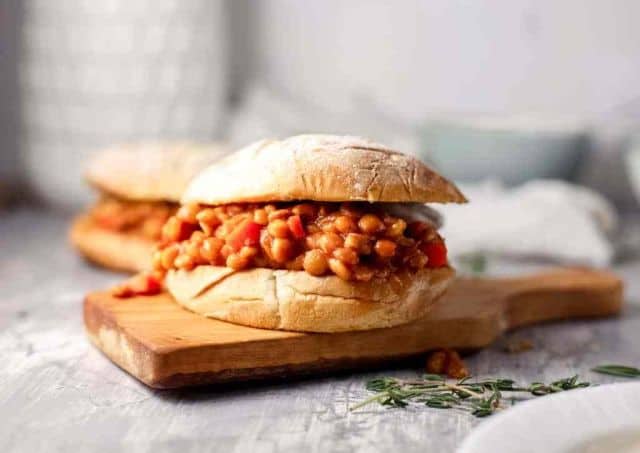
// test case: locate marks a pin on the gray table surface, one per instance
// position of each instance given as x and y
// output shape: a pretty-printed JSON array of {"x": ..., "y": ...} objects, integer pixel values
[{"x": 58, "y": 393}]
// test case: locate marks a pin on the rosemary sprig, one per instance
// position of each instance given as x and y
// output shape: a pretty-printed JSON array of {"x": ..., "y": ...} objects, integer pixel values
[
  {"x": 480, "y": 398},
  {"x": 618, "y": 370}
]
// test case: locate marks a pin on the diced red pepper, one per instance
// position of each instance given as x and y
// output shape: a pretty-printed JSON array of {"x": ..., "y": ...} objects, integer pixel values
[
  {"x": 246, "y": 233},
  {"x": 436, "y": 251},
  {"x": 252, "y": 233},
  {"x": 144, "y": 284},
  {"x": 295, "y": 225}
]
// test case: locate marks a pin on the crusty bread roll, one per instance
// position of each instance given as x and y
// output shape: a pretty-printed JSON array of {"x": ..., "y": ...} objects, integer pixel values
[
  {"x": 151, "y": 171},
  {"x": 296, "y": 300},
  {"x": 320, "y": 168},
  {"x": 110, "y": 249}
]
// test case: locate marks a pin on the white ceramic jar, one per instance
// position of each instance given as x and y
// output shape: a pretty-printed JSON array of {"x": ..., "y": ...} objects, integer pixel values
[{"x": 94, "y": 73}]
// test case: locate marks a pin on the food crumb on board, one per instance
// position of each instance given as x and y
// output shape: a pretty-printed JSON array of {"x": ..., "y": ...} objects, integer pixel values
[{"x": 447, "y": 362}]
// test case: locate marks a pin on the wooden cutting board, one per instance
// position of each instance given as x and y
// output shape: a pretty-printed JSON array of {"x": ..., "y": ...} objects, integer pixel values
[{"x": 166, "y": 346}]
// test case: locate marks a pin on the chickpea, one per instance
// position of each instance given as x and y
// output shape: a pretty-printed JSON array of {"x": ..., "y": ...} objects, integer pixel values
[
  {"x": 279, "y": 214},
  {"x": 340, "y": 269},
  {"x": 345, "y": 224},
  {"x": 188, "y": 212},
  {"x": 156, "y": 259},
  {"x": 193, "y": 250},
  {"x": 346, "y": 255},
  {"x": 312, "y": 241},
  {"x": 168, "y": 256},
  {"x": 238, "y": 219},
  {"x": 385, "y": 248},
  {"x": 236, "y": 262},
  {"x": 388, "y": 220},
  {"x": 304, "y": 210},
  {"x": 248, "y": 251},
  {"x": 206, "y": 229},
  {"x": 221, "y": 214},
  {"x": 328, "y": 242},
  {"x": 221, "y": 232},
  {"x": 404, "y": 241},
  {"x": 358, "y": 242},
  {"x": 281, "y": 249},
  {"x": 210, "y": 249},
  {"x": 328, "y": 226},
  {"x": 396, "y": 229},
  {"x": 315, "y": 262},
  {"x": 278, "y": 228},
  {"x": 172, "y": 230},
  {"x": 225, "y": 251},
  {"x": 260, "y": 216},
  {"x": 184, "y": 261},
  {"x": 313, "y": 228},
  {"x": 265, "y": 245},
  {"x": 197, "y": 237},
  {"x": 370, "y": 224},
  {"x": 208, "y": 216}
]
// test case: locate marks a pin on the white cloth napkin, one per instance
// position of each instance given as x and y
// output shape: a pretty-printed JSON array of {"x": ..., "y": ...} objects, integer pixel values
[{"x": 547, "y": 219}]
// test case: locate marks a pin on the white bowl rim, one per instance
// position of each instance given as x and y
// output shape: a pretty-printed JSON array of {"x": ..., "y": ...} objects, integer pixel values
[{"x": 482, "y": 439}]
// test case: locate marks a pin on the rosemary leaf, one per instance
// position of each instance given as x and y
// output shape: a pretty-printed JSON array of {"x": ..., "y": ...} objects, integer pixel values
[
  {"x": 618, "y": 370},
  {"x": 480, "y": 398}
]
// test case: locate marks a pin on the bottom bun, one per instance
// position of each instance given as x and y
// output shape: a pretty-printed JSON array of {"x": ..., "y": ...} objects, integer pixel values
[
  {"x": 298, "y": 301},
  {"x": 111, "y": 249}
]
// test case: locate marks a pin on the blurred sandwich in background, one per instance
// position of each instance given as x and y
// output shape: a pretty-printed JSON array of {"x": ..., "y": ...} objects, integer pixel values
[{"x": 139, "y": 188}]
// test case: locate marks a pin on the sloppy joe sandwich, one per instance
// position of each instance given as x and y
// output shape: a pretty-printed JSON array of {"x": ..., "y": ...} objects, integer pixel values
[
  {"x": 139, "y": 187},
  {"x": 314, "y": 233}
]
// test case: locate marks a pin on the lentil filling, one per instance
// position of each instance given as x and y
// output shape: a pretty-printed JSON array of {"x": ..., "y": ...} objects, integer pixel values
[
  {"x": 141, "y": 218},
  {"x": 355, "y": 241}
]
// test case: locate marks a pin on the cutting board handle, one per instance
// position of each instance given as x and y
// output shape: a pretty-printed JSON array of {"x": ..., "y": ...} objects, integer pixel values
[
  {"x": 560, "y": 294},
  {"x": 166, "y": 346}
]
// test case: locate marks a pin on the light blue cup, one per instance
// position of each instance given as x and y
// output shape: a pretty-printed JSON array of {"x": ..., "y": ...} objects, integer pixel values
[{"x": 511, "y": 149}]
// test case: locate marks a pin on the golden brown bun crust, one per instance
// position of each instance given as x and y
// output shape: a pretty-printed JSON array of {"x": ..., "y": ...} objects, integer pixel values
[
  {"x": 110, "y": 249},
  {"x": 152, "y": 171},
  {"x": 296, "y": 300},
  {"x": 320, "y": 168}
]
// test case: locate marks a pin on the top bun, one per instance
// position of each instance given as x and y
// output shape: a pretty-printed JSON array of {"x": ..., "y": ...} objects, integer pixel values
[
  {"x": 150, "y": 171},
  {"x": 320, "y": 168}
]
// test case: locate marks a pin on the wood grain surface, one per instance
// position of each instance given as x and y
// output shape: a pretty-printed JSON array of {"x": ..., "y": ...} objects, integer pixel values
[{"x": 166, "y": 346}]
